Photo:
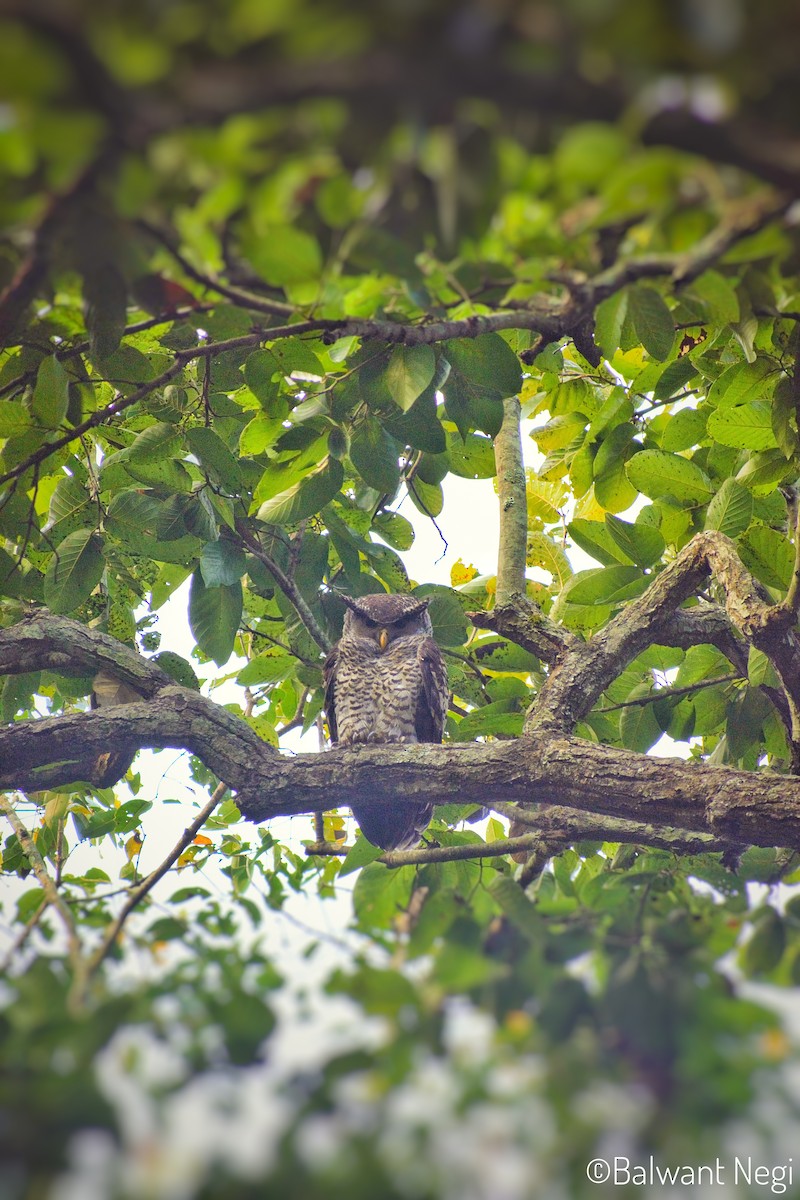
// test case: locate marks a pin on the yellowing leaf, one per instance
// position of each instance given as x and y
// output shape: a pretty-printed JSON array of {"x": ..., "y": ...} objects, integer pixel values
[
  {"x": 459, "y": 573},
  {"x": 545, "y": 498},
  {"x": 550, "y": 556},
  {"x": 132, "y": 847},
  {"x": 202, "y": 840}
]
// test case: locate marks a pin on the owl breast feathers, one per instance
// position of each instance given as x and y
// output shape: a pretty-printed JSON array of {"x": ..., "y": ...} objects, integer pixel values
[{"x": 386, "y": 681}]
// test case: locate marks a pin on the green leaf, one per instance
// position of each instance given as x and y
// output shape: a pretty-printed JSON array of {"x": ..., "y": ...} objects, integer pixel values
[
  {"x": 177, "y": 668},
  {"x": 395, "y": 529},
  {"x": 305, "y": 498},
  {"x": 408, "y": 372},
  {"x": 212, "y": 453},
  {"x": 719, "y": 295},
  {"x": 487, "y": 362},
  {"x": 284, "y": 255},
  {"x": 685, "y": 429},
  {"x": 730, "y": 510},
  {"x": 214, "y": 617},
  {"x": 769, "y": 555},
  {"x": 427, "y": 497},
  {"x": 471, "y": 457},
  {"x": 268, "y": 667},
  {"x": 15, "y": 419},
  {"x": 674, "y": 376},
  {"x": 446, "y": 612},
  {"x": 599, "y": 585},
  {"x": 380, "y": 894},
  {"x": 161, "y": 440},
  {"x": 653, "y": 321},
  {"x": 785, "y": 417},
  {"x": 374, "y": 454},
  {"x": 642, "y": 544},
  {"x": 51, "y": 393},
  {"x": 744, "y": 382},
  {"x": 638, "y": 726},
  {"x": 360, "y": 854},
  {"x": 594, "y": 538},
  {"x": 669, "y": 477},
  {"x": 66, "y": 504},
  {"x": 764, "y": 948},
  {"x": 609, "y": 319},
  {"x": 106, "y": 309},
  {"x": 748, "y": 426},
  {"x": 74, "y": 572},
  {"x": 222, "y": 562}
]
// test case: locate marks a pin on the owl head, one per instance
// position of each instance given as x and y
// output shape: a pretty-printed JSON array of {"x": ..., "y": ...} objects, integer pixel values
[{"x": 382, "y": 618}]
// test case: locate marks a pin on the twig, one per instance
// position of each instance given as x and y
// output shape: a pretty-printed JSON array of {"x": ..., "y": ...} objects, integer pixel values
[
  {"x": 237, "y": 295},
  {"x": 52, "y": 894},
  {"x": 669, "y": 693},
  {"x": 287, "y": 586},
  {"x": 22, "y": 937},
  {"x": 137, "y": 894}
]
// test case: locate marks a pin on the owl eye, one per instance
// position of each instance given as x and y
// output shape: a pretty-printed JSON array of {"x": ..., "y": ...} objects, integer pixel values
[{"x": 370, "y": 624}]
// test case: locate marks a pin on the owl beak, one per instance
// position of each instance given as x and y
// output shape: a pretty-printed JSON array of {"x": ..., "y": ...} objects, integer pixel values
[{"x": 383, "y": 639}]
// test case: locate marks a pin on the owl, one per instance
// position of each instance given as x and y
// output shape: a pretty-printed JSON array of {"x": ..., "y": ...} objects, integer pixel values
[{"x": 386, "y": 681}]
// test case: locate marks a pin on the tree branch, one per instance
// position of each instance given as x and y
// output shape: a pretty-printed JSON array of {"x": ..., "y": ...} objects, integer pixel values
[
  {"x": 589, "y": 668},
  {"x": 138, "y": 893},
  {"x": 287, "y": 586},
  {"x": 48, "y": 886},
  {"x": 513, "y": 507}
]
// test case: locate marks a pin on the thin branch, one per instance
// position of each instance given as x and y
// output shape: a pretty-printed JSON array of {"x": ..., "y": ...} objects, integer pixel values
[
  {"x": 670, "y": 693},
  {"x": 576, "y": 826},
  {"x": 237, "y": 295},
  {"x": 287, "y": 586},
  {"x": 48, "y": 886},
  {"x": 589, "y": 668},
  {"x": 138, "y": 893}
]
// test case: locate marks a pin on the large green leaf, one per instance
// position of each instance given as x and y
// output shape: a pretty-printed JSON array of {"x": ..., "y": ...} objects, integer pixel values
[
  {"x": 653, "y": 321},
  {"x": 215, "y": 457},
  {"x": 663, "y": 476},
  {"x": 609, "y": 319},
  {"x": 374, "y": 454},
  {"x": 408, "y": 372},
  {"x": 769, "y": 555},
  {"x": 748, "y": 426},
  {"x": 75, "y": 570},
  {"x": 446, "y": 611},
  {"x": 50, "y": 393},
  {"x": 214, "y": 617},
  {"x": 642, "y": 544},
  {"x": 487, "y": 362},
  {"x": 305, "y": 498},
  {"x": 731, "y": 509}
]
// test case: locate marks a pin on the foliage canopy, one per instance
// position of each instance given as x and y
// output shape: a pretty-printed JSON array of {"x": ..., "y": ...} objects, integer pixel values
[{"x": 274, "y": 275}]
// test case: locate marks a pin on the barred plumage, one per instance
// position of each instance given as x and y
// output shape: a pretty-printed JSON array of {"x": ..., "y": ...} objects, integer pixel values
[{"x": 386, "y": 681}]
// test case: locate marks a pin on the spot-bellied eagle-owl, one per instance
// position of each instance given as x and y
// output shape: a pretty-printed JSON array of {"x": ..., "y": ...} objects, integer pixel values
[{"x": 386, "y": 681}]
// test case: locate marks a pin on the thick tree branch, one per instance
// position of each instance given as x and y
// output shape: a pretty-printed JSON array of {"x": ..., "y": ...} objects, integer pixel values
[
  {"x": 752, "y": 807},
  {"x": 525, "y": 625}
]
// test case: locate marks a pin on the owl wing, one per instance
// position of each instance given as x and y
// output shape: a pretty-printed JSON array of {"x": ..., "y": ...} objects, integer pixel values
[
  {"x": 329, "y": 677},
  {"x": 434, "y": 695}
]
